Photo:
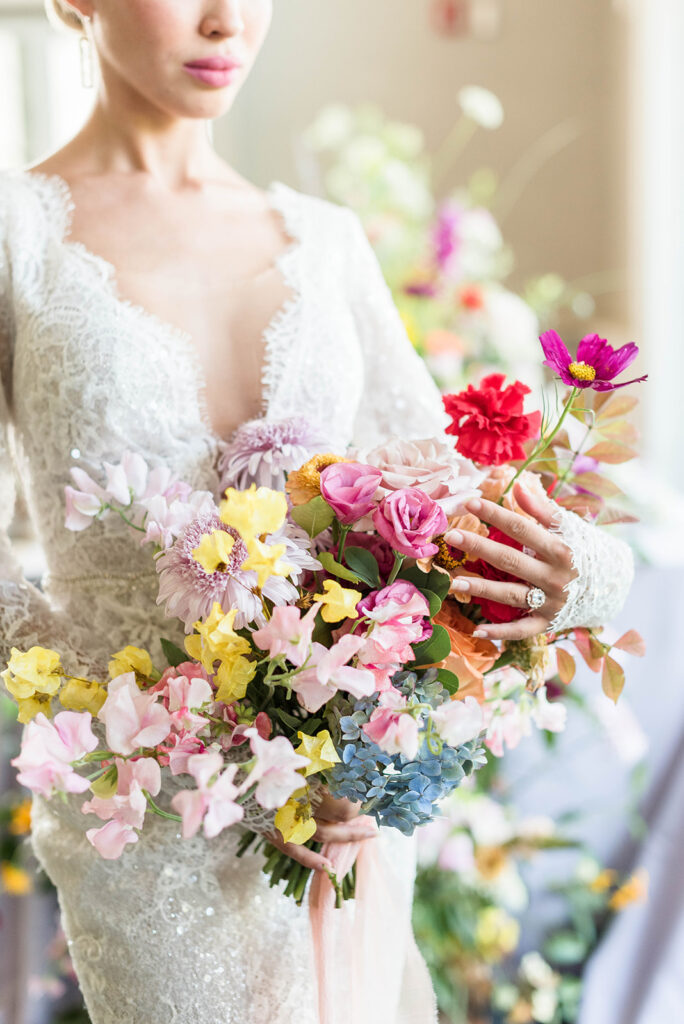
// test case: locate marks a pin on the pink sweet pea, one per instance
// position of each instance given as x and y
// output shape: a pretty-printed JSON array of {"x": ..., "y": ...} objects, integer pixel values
[
  {"x": 48, "y": 750},
  {"x": 132, "y": 718},
  {"x": 328, "y": 671},
  {"x": 287, "y": 633},
  {"x": 182, "y": 695},
  {"x": 212, "y": 802},
  {"x": 177, "y": 749},
  {"x": 275, "y": 772},
  {"x": 408, "y": 520},
  {"x": 126, "y": 809},
  {"x": 83, "y": 502},
  {"x": 394, "y": 730},
  {"x": 595, "y": 365},
  {"x": 349, "y": 487},
  {"x": 397, "y": 601},
  {"x": 459, "y": 721}
]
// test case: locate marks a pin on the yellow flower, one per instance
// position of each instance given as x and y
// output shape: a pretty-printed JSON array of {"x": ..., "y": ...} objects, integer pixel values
[
  {"x": 295, "y": 821},
  {"x": 496, "y": 933},
  {"x": 320, "y": 750},
  {"x": 410, "y": 326},
  {"x": 31, "y": 706},
  {"x": 634, "y": 890},
  {"x": 338, "y": 602},
  {"x": 255, "y": 512},
  {"x": 214, "y": 550},
  {"x": 603, "y": 880},
  {"x": 216, "y": 639},
  {"x": 15, "y": 881},
  {"x": 264, "y": 560},
  {"x": 131, "y": 659},
  {"x": 83, "y": 695},
  {"x": 36, "y": 671},
  {"x": 490, "y": 861},
  {"x": 304, "y": 483},
  {"x": 20, "y": 818},
  {"x": 233, "y": 677}
]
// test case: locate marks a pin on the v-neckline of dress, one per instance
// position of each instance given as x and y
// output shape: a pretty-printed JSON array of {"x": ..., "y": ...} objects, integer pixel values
[{"x": 286, "y": 262}]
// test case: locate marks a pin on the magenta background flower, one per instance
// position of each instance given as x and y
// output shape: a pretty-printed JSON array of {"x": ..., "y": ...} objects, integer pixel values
[
  {"x": 596, "y": 364},
  {"x": 262, "y": 452},
  {"x": 48, "y": 750},
  {"x": 349, "y": 487},
  {"x": 408, "y": 520}
]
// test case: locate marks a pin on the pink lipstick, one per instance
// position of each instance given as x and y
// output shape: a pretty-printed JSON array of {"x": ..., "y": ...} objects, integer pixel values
[{"x": 215, "y": 71}]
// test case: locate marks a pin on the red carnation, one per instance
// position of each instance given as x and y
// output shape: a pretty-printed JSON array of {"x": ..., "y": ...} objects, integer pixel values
[
  {"x": 489, "y": 421},
  {"x": 494, "y": 611}
]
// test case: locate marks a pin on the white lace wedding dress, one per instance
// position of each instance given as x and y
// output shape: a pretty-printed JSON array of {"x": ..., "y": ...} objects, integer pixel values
[{"x": 181, "y": 931}]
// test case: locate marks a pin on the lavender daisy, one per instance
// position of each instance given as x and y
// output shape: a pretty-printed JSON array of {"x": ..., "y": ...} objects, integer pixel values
[
  {"x": 189, "y": 590},
  {"x": 262, "y": 452}
]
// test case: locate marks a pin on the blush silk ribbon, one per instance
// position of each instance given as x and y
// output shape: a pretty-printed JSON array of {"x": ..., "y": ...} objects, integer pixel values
[{"x": 368, "y": 967}]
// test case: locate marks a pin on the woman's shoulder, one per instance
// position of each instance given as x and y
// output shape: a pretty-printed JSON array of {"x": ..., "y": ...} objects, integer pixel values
[{"x": 33, "y": 206}]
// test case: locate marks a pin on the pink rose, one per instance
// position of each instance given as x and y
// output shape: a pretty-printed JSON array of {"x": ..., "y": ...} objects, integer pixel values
[
  {"x": 408, "y": 520},
  {"x": 349, "y": 488},
  {"x": 433, "y": 466}
]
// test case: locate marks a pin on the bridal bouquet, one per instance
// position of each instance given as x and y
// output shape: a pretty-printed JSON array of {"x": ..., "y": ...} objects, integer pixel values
[{"x": 322, "y": 647}]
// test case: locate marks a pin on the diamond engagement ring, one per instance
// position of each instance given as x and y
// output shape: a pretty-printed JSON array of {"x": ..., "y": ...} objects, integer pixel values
[{"x": 535, "y": 598}]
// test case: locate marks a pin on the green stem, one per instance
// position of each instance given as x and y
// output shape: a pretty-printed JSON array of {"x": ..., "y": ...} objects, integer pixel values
[
  {"x": 398, "y": 562},
  {"x": 158, "y": 810},
  {"x": 543, "y": 444},
  {"x": 344, "y": 530}
]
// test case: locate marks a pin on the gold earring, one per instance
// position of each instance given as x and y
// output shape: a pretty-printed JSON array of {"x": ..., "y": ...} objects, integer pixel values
[{"x": 86, "y": 53}]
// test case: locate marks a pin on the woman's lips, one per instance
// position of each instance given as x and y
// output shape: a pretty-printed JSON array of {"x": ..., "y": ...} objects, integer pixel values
[{"x": 218, "y": 77}]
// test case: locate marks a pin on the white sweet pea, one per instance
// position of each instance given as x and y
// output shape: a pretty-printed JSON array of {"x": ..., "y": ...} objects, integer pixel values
[{"x": 458, "y": 721}]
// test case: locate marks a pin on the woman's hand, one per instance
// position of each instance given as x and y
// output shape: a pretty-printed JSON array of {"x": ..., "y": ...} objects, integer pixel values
[
  {"x": 337, "y": 821},
  {"x": 551, "y": 570}
]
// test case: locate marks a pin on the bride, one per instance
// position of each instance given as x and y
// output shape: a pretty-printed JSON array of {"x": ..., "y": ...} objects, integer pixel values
[{"x": 152, "y": 299}]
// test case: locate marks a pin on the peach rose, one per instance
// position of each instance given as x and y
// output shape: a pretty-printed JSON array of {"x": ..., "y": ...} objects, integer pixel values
[
  {"x": 498, "y": 480},
  {"x": 470, "y": 656}
]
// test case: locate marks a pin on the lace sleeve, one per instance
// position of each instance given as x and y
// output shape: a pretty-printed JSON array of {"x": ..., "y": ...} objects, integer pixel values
[
  {"x": 26, "y": 617},
  {"x": 399, "y": 395},
  {"x": 605, "y": 571}
]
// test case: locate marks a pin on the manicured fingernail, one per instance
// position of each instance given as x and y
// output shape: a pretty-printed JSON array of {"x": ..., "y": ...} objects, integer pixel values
[
  {"x": 480, "y": 632},
  {"x": 453, "y": 537},
  {"x": 460, "y": 585},
  {"x": 475, "y": 505},
  {"x": 368, "y": 833}
]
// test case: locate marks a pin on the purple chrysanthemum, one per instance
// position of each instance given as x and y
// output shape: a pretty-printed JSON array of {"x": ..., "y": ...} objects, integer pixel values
[
  {"x": 596, "y": 365},
  {"x": 190, "y": 591},
  {"x": 262, "y": 452}
]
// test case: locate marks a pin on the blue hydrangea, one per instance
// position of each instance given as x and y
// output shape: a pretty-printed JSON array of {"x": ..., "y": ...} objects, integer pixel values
[{"x": 399, "y": 792}]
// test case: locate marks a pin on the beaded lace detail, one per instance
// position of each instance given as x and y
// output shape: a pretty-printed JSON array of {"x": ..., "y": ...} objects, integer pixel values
[{"x": 182, "y": 931}]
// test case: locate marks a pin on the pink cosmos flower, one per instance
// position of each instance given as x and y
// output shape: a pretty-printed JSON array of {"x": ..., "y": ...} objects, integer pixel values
[
  {"x": 213, "y": 802},
  {"x": 275, "y": 772},
  {"x": 408, "y": 520},
  {"x": 394, "y": 730},
  {"x": 288, "y": 633},
  {"x": 459, "y": 721},
  {"x": 133, "y": 718},
  {"x": 349, "y": 489},
  {"x": 596, "y": 364},
  {"x": 48, "y": 750},
  {"x": 328, "y": 671},
  {"x": 263, "y": 452}
]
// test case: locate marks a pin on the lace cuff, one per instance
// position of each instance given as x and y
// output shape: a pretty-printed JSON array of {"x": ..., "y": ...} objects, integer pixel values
[{"x": 605, "y": 572}]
